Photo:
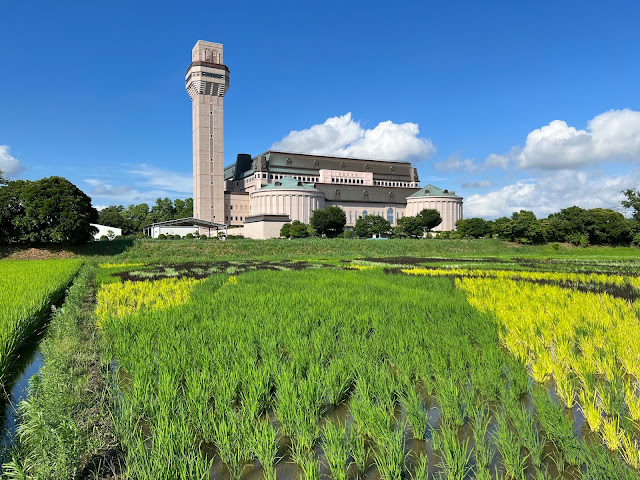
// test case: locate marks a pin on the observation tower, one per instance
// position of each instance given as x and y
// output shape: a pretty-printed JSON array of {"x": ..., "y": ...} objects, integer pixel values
[{"x": 207, "y": 80}]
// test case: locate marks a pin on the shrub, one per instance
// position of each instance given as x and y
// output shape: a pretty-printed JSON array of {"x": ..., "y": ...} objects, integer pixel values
[
  {"x": 104, "y": 238},
  {"x": 203, "y": 237},
  {"x": 162, "y": 236},
  {"x": 348, "y": 234},
  {"x": 189, "y": 235},
  {"x": 177, "y": 237},
  {"x": 285, "y": 231}
]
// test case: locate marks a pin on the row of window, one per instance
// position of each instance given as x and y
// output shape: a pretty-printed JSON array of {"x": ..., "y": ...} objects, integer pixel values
[
  {"x": 347, "y": 180},
  {"x": 393, "y": 184},
  {"x": 300, "y": 178},
  {"x": 226, "y": 218}
]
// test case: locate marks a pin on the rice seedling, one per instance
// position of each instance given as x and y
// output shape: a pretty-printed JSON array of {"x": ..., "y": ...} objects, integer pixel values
[
  {"x": 415, "y": 412},
  {"x": 632, "y": 399},
  {"x": 611, "y": 433},
  {"x": 509, "y": 448},
  {"x": 566, "y": 386},
  {"x": 630, "y": 451},
  {"x": 358, "y": 450},
  {"x": 265, "y": 448},
  {"x": 334, "y": 445},
  {"x": 390, "y": 456},
  {"x": 590, "y": 410},
  {"x": 483, "y": 452},
  {"x": 421, "y": 468},
  {"x": 455, "y": 454}
]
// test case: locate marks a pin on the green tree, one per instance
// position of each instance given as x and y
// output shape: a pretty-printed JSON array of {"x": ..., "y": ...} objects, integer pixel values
[
  {"x": 3, "y": 180},
  {"x": 137, "y": 216},
  {"x": 409, "y": 227},
  {"x": 114, "y": 216},
  {"x": 607, "y": 227},
  {"x": 526, "y": 228},
  {"x": 285, "y": 231},
  {"x": 474, "y": 227},
  {"x": 48, "y": 210},
  {"x": 183, "y": 208},
  {"x": 371, "y": 225},
  {"x": 632, "y": 201},
  {"x": 430, "y": 218},
  {"x": 329, "y": 221},
  {"x": 298, "y": 229},
  {"x": 163, "y": 210},
  {"x": 568, "y": 225}
]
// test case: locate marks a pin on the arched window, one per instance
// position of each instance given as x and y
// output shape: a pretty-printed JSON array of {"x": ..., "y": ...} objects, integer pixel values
[
  {"x": 364, "y": 214},
  {"x": 390, "y": 215}
]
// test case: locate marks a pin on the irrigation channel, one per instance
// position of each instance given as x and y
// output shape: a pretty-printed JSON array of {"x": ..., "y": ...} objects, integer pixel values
[{"x": 29, "y": 362}]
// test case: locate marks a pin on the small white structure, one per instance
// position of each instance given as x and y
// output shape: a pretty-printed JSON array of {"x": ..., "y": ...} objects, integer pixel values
[{"x": 104, "y": 230}]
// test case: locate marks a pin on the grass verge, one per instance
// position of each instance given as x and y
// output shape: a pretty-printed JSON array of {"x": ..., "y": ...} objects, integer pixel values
[{"x": 65, "y": 427}]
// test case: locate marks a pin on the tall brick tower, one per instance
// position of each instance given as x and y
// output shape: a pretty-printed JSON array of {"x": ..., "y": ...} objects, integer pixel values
[{"x": 207, "y": 80}]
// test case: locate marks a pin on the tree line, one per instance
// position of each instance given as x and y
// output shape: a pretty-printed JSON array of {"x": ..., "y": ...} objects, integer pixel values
[
  {"x": 132, "y": 218},
  {"x": 575, "y": 225}
]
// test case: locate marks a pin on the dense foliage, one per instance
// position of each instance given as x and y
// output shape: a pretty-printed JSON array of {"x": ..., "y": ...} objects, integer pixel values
[
  {"x": 329, "y": 221},
  {"x": 430, "y": 218},
  {"x": 50, "y": 210},
  {"x": 367, "y": 227}
]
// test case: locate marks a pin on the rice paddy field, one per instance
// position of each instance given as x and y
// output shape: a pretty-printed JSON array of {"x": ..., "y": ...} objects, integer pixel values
[
  {"x": 27, "y": 291},
  {"x": 375, "y": 367}
]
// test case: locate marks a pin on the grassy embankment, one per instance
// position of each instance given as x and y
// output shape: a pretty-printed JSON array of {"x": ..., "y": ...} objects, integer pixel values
[{"x": 66, "y": 430}]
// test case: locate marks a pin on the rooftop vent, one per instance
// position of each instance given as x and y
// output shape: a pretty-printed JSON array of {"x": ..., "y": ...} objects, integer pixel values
[
  {"x": 393, "y": 167},
  {"x": 289, "y": 160},
  {"x": 427, "y": 191},
  {"x": 337, "y": 192},
  {"x": 366, "y": 193},
  {"x": 343, "y": 164},
  {"x": 446, "y": 191},
  {"x": 367, "y": 166},
  {"x": 391, "y": 194}
]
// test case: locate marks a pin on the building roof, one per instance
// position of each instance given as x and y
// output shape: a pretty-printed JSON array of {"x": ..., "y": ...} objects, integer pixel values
[
  {"x": 288, "y": 183},
  {"x": 190, "y": 221},
  {"x": 341, "y": 193},
  {"x": 433, "y": 191}
]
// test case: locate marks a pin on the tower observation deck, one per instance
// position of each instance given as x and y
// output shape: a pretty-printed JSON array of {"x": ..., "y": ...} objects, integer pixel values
[{"x": 207, "y": 81}]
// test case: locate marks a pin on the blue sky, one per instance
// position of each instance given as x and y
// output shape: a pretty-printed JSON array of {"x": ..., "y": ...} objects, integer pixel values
[{"x": 532, "y": 105}]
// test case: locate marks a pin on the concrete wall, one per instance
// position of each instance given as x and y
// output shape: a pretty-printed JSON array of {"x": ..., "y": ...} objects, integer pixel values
[{"x": 450, "y": 209}]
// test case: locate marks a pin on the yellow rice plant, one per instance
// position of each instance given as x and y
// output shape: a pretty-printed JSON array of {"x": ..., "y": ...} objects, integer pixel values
[
  {"x": 632, "y": 400},
  {"x": 611, "y": 434},
  {"x": 630, "y": 451},
  {"x": 120, "y": 265},
  {"x": 590, "y": 410},
  {"x": 122, "y": 299},
  {"x": 542, "y": 367}
]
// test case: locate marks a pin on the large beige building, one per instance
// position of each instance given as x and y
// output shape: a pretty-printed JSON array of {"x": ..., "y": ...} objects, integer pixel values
[{"x": 258, "y": 195}]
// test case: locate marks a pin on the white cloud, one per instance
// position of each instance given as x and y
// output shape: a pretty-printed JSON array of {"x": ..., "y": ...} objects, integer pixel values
[
  {"x": 344, "y": 137},
  {"x": 144, "y": 184},
  {"x": 9, "y": 164},
  {"x": 480, "y": 184},
  {"x": 610, "y": 136},
  {"x": 454, "y": 162},
  {"x": 161, "y": 178},
  {"x": 551, "y": 193}
]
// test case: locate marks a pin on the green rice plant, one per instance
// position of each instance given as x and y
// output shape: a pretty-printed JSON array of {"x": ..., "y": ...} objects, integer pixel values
[
  {"x": 557, "y": 426},
  {"x": 336, "y": 452},
  {"x": 509, "y": 448},
  {"x": 358, "y": 450},
  {"x": 455, "y": 454},
  {"x": 27, "y": 291},
  {"x": 421, "y": 468},
  {"x": 233, "y": 440},
  {"x": 265, "y": 447},
  {"x": 339, "y": 379},
  {"x": 390, "y": 456},
  {"x": 611, "y": 433},
  {"x": 542, "y": 367},
  {"x": 416, "y": 413},
  {"x": 484, "y": 453},
  {"x": 530, "y": 436},
  {"x": 448, "y": 396}
]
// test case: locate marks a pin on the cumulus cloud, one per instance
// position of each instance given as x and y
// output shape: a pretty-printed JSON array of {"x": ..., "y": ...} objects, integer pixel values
[
  {"x": 9, "y": 164},
  {"x": 344, "y": 137},
  {"x": 610, "y": 136},
  {"x": 551, "y": 193}
]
